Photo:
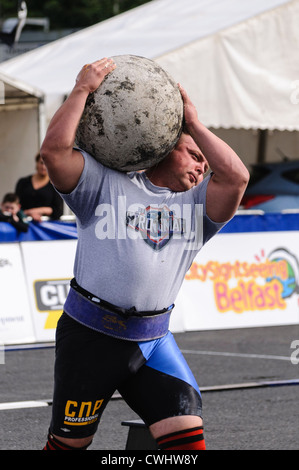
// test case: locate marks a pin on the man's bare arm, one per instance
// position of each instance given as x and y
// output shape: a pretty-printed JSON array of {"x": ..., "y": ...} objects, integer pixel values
[
  {"x": 64, "y": 164},
  {"x": 230, "y": 176}
]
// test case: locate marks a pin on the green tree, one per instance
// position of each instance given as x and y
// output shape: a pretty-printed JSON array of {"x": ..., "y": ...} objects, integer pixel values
[{"x": 70, "y": 14}]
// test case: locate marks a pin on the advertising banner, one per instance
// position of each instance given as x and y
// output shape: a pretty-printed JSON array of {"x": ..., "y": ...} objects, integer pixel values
[
  {"x": 15, "y": 313},
  {"x": 243, "y": 280},
  {"x": 239, "y": 279},
  {"x": 49, "y": 269}
]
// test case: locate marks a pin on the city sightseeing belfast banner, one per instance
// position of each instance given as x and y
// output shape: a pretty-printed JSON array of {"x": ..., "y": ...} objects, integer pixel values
[{"x": 243, "y": 280}]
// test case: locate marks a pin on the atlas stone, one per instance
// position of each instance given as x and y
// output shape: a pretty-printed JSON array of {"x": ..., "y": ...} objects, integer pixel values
[{"x": 134, "y": 119}]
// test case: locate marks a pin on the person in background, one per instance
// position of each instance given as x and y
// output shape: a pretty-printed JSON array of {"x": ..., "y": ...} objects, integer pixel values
[
  {"x": 11, "y": 212},
  {"x": 37, "y": 196}
]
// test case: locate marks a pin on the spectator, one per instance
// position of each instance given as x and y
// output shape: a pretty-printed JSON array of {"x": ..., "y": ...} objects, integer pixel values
[
  {"x": 37, "y": 196},
  {"x": 11, "y": 212}
]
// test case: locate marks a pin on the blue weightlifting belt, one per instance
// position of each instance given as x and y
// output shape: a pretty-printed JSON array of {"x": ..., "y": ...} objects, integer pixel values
[{"x": 114, "y": 321}]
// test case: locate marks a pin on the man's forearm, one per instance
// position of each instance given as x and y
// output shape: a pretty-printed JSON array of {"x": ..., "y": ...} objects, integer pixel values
[
  {"x": 62, "y": 128},
  {"x": 64, "y": 164},
  {"x": 222, "y": 159}
]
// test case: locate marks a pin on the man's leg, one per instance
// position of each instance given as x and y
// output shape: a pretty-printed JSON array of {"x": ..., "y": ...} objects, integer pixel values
[
  {"x": 165, "y": 395},
  {"x": 179, "y": 433},
  {"x": 88, "y": 368},
  {"x": 61, "y": 443}
]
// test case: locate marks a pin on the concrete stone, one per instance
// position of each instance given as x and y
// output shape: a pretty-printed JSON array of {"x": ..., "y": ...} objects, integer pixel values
[{"x": 134, "y": 119}]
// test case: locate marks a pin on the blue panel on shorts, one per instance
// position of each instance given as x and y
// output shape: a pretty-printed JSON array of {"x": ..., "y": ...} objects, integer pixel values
[{"x": 164, "y": 355}]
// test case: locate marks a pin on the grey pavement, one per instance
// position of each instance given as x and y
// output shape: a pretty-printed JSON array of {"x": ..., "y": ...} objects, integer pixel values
[{"x": 248, "y": 383}]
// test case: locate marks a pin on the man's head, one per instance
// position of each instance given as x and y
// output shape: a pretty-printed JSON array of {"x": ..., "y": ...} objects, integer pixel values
[
  {"x": 183, "y": 168},
  {"x": 10, "y": 204}
]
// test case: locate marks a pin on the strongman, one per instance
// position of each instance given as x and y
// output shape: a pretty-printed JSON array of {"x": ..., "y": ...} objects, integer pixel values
[{"x": 138, "y": 234}]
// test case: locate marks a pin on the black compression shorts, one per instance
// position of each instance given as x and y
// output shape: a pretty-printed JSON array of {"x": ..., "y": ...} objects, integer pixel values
[{"x": 152, "y": 377}]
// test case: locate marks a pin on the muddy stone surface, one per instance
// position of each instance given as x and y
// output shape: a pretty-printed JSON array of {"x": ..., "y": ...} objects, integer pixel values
[{"x": 134, "y": 119}]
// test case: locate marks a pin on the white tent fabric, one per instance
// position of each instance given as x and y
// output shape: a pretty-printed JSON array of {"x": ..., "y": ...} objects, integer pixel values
[{"x": 237, "y": 60}]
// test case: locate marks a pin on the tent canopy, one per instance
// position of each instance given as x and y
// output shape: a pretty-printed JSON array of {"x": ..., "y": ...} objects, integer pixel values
[
  {"x": 15, "y": 94},
  {"x": 21, "y": 126},
  {"x": 237, "y": 60}
]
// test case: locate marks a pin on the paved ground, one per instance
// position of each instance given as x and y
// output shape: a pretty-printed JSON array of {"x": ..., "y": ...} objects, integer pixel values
[{"x": 243, "y": 417}]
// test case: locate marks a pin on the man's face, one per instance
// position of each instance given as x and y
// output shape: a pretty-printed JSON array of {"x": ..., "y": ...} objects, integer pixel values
[{"x": 186, "y": 164}]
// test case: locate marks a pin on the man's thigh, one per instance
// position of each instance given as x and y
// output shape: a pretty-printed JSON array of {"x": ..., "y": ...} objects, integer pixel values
[
  {"x": 89, "y": 367},
  {"x": 164, "y": 387}
]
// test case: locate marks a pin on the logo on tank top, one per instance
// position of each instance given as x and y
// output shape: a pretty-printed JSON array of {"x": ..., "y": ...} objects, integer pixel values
[{"x": 156, "y": 225}]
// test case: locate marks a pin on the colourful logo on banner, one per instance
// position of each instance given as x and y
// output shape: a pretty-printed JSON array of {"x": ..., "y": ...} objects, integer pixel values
[
  {"x": 50, "y": 296},
  {"x": 242, "y": 286}
]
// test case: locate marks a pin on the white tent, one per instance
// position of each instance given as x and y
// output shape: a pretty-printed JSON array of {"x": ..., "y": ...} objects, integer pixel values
[
  {"x": 21, "y": 129},
  {"x": 237, "y": 60}
]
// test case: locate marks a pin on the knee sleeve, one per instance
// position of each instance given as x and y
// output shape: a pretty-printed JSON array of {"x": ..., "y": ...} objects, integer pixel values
[
  {"x": 188, "y": 439},
  {"x": 55, "y": 444}
]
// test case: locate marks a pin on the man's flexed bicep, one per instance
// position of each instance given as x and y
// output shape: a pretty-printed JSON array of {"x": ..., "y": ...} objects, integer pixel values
[{"x": 65, "y": 164}]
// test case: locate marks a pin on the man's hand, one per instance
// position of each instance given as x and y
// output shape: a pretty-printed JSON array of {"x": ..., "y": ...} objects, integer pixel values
[
  {"x": 91, "y": 75},
  {"x": 190, "y": 113},
  {"x": 64, "y": 163}
]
